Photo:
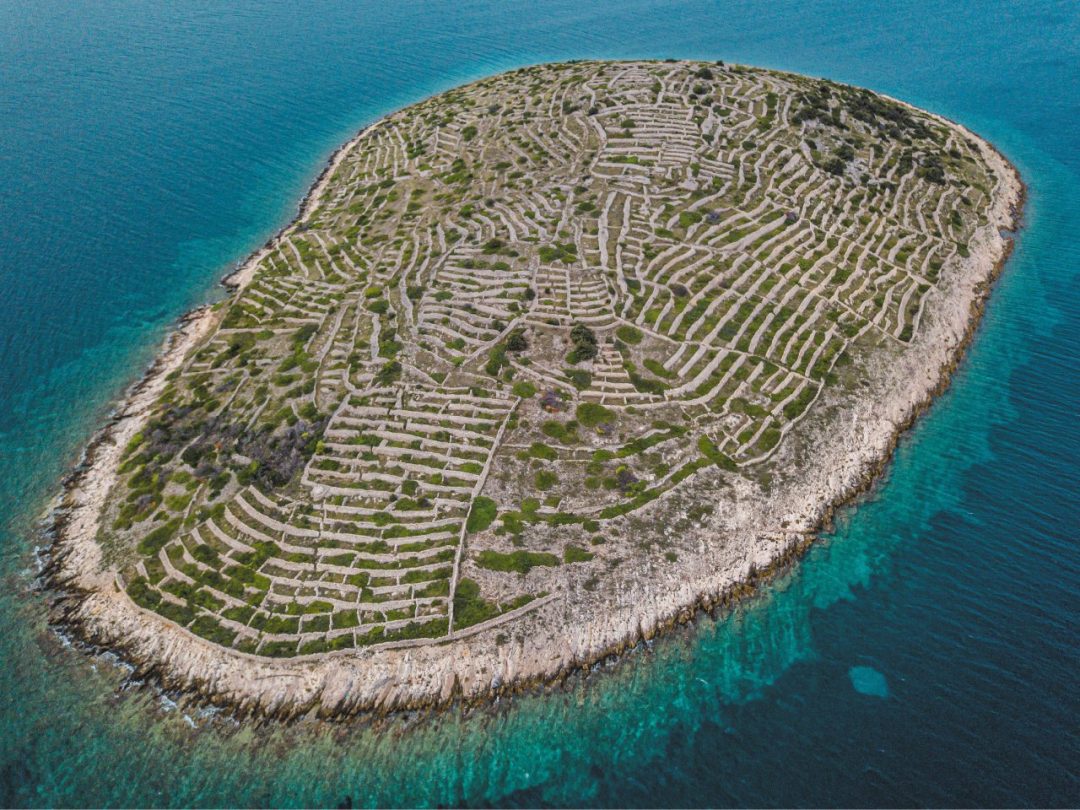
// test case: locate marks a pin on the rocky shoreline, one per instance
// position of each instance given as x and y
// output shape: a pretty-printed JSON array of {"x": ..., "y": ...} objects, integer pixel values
[{"x": 91, "y": 603}]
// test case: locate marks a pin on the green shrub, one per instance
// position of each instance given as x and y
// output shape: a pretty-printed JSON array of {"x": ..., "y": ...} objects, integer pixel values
[
  {"x": 207, "y": 600},
  {"x": 565, "y": 252},
  {"x": 413, "y": 577},
  {"x": 546, "y": 479},
  {"x": 316, "y": 624},
  {"x": 429, "y": 629},
  {"x": 142, "y": 594},
  {"x": 524, "y": 389},
  {"x": 469, "y": 607},
  {"x": 316, "y": 645},
  {"x": 592, "y": 414},
  {"x": 238, "y": 614},
  {"x": 345, "y": 618},
  {"x": 713, "y": 454},
  {"x": 543, "y": 451},
  {"x": 645, "y": 385},
  {"x": 206, "y": 555},
  {"x": 585, "y": 344},
  {"x": 562, "y": 432},
  {"x": 579, "y": 378},
  {"x": 389, "y": 373},
  {"x": 496, "y": 360},
  {"x": 481, "y": 514},
  {"x": 688, "y": 218},
  {"x": 512, "y": 522},
  {"x": 438, "y": 587},
  {"x": 575, "y": 554},
  {"x": 181, "y": 614},
  {"x": 521, "y": 562},
  {"x": 658, "y": 369},
  {"x": 794, "y": 408},
  {"x": 154, "y": 541},
  {"x": 208, "y": 628},
  {"x": 282, "y": 624},
  {"x": 278, "y": 649},
  {"x": 303, "y": 334},
  {"x": 516, "y": 342}
]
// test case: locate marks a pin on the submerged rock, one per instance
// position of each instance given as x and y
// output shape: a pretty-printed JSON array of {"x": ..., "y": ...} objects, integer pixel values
[{"x": 868, "y": 681}]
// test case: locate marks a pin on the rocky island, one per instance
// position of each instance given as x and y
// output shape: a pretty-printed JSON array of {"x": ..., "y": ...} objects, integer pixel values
[{"x": 545, "y": 364}]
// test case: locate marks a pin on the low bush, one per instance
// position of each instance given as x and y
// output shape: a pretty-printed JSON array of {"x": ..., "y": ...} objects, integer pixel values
[
  {"x": 469, "y": 607},
  {"x": 521, "y": 562},
  {"x": 585, "y": 344},
  {"x": 481, "y": 514},
  {"x": 546, "y": 479},
  {"x": 576, "y": 554},
  {"x": 592, "y": 414},
  {"x": 524, "y": 389}
]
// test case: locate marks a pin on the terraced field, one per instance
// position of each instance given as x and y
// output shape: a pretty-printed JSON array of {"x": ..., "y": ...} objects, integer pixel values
[{"x": 531, "y": 332}]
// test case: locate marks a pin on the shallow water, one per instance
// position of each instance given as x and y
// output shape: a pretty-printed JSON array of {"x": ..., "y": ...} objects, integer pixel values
[
  {"x": 868, "y": 681},
  {"x": 144, "y": 148}
]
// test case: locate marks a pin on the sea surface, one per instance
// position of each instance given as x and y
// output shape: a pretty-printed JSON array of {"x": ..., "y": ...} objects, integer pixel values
[{"x": 926, "y": 652}]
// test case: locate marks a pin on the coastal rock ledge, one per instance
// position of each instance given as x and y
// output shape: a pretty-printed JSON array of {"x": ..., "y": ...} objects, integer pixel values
[{"x": 545, "y": 365}]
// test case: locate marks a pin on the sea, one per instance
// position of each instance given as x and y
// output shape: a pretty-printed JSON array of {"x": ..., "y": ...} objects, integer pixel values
[{"x": 924, "y": 652}]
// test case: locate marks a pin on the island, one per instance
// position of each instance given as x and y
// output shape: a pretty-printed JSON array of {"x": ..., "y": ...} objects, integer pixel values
[{"x": 545, "y": 365}]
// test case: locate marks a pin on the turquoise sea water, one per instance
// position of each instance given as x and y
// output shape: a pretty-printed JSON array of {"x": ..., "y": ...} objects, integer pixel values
[{"x": 926, "y": 652}]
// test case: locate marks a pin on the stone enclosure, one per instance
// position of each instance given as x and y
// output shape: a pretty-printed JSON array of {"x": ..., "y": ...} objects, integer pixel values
[{"x": 518, "y": 316}]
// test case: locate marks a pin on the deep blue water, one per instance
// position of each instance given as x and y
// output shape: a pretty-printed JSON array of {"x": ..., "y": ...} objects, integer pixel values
[{"x": 926, "y": 652}]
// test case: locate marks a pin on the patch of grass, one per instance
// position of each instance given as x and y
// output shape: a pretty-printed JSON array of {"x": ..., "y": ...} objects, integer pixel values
[
  {"x": 496, "y": 360},
  {"x": 645, "y": 385},
  {"x": 565, "y": 432},
  {"x": 629, "y": 334},
  {"x": 713, "y": 454},
  {"x": 579, "y": 378},
  {"x": 565, "y": 252},
  {"x": 154, "y": 541},
  {"x": 430, "y": 629},
  {"x": 795, "y": 408},
  {"x": 641, "y": 445},
  {"x": 469, "y": 607},
  {"x": 688, "y": 218},
  {"x": 576, "y": 554},
  {"x": 481, "y": 515},
  {"x": 345, "y": 618},
  {"x": 521, "y": 562},
  {"x": 389, "y": 374},
  {"x": 543, "y": 451},
  {"x": 524, "y": 389},
  {"x": 546, "y": 479},
  {"x": 585, "y": 344},
  {"x": 592, "y": 414},
  {"x": 658, "y": 369}
]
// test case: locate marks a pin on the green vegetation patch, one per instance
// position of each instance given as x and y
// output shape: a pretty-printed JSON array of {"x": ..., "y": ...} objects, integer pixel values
[
  {"x": 521, "y": 562},
  {"x": 593, "y": 414},
  {"x": 576, "y": 554},
  {"x": 524, "y": 389},
  {"x": 481, "y": 514},
  {"x": 585, "y": 343}
]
